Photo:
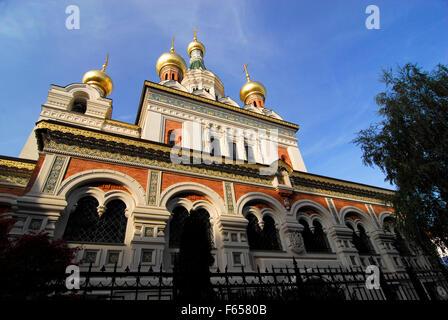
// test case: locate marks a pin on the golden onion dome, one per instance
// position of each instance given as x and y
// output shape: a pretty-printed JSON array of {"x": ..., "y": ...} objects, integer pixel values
[
  {"x": 195, "y": 44},
  {"x": 251, "y": 88},
  {"x": 171, "y": 59},
  {"x": 99, "y": 79}
]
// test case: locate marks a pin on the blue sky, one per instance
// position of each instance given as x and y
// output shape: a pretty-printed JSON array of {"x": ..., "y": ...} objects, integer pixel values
[{"x": 320, "y": 64}]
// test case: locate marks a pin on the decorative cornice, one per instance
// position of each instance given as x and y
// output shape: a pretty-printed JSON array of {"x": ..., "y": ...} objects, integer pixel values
[
  {"x": 62, "y": 139},
  {"x": 335, "y": 187},
  {"x": 17, "y": 163},
  {"x": 212, "y": 102},
  {"x": 90, "y": 143},
  {"x": 14, "y": 171},
  {"x": 123, "y": 124}
]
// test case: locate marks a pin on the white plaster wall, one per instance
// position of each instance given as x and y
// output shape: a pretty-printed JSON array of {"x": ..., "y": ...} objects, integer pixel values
[{"x": 152, "y": 127}]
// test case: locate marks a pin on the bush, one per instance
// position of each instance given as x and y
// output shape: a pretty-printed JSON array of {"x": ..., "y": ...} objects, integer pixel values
[{"x": 29, "y": 263}]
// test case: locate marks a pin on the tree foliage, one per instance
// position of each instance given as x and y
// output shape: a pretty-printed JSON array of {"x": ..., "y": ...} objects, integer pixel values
[
  {"x": 410, "y": 146},
  {"x": 30, "y": 262}
]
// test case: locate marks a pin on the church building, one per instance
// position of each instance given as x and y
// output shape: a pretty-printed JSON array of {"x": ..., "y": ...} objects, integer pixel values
[{"x": 123, "y": 191}]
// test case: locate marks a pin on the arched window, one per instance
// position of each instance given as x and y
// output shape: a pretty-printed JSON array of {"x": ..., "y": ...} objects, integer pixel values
[
  {"x": 270, "y": 238},
  {"x": 231, "y": 149},
  {"x": 307, "y": 236},
  {"x": 361, "y": 242},
  {"x": 320, "y": 238},
  {"x": 367, "y": 244},
  {"x": 176, "y": 226},
  {"x": 316, "y": 240},
  {"x": 172, "y": 76},
  {"x": 80, "y": 102},
  {"x": 171, "y": 137},
  {"x": 249, "y": 152},
  {"x": 401, "y": 245},
  {"x": 255, "y": 103},
  {"x": 86, "y": 225},
  {"x": 266, "y": 239},
  {"x": 166, "y": 76},
  {"x": 214, "y": 147},
  {"x": 253, "y": 232},
  {"x": 234, "y": 150}
]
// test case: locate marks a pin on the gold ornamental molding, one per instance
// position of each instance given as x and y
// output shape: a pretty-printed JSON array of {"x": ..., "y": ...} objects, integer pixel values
[
  {"x": 123, "y": 124},
  {"x": 17, "y": 164},
  {"x": 124, "y": 140},
  {"x": 336, "y": 187},
  {"x": 306, "y": 181}
]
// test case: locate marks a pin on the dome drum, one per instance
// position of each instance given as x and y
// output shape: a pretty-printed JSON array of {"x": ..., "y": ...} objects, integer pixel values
[{"x": 173, "y": 60}]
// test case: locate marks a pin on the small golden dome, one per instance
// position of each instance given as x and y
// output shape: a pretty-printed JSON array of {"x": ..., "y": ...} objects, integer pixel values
[
  {"x": 171, "y": 59},
  {"x": 99, "y": 79},
  {"x": 251, "y": 88},
  {"x": 195, "y": 44}
]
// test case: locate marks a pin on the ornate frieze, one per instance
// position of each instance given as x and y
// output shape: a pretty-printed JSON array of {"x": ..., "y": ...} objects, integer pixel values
[
  {"x": 334, "y": 187},
  {"x": 55, "y": 172},
  {"x": 153, "y": 187},
  {"x": 94, "y": 153},
  {"x": 229, "y": 197},
  {"x": 15, "y": 172},
  {"x": 295, "y": 242},
  {"x": 216, "y": 113}
]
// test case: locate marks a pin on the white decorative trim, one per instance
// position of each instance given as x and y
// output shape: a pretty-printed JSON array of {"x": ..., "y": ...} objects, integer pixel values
[
  {"x": 172, "y": 190},
  {"x": 137, "y": 191}
]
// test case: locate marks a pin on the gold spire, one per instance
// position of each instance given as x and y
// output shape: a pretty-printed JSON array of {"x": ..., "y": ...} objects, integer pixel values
[
  {"x": 99, "y": 79},
  {"x": 171, "y": 59},
  {"x": 172, "y": 44},
  {"x": 105, "y": 64},
  {"x": 195, "y": 44},
  {"x": 247, "y": 74},
  {"x": 251, "y": 88}
]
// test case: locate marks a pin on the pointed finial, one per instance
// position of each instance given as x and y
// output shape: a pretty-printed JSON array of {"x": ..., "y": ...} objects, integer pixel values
[
  {"x": 105, "y": 64},
  {"x": 172, "y": 44},
  {"x": 194, "y": 34},
  {"x": 247, "y": 74}
]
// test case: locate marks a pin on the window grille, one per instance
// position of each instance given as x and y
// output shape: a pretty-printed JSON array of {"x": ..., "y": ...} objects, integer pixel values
[
  {"x": 176, "y": 226},
  {"x": 266, "y": 239},
  {"x": 85, "y": 225}
]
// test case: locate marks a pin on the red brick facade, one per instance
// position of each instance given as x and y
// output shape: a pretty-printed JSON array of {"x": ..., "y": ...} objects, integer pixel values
[{"x": 78, "y": 165}]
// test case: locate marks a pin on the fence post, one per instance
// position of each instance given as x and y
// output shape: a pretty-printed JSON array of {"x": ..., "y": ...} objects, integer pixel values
[
  {"x": 419, "y": 289},
  {"x": 113, "y": 282},
  {"x": 385, "y": 287},
  {"x": 174, "y": 283},
  {"x": 244, "y": 282},
  {"x": 137, "y": 281},
  {"x": 160, "y": 281},
  {"x": 227, "y": 284},
  {"x": 299, "y": 280},
  {"x": 87, "y": 281}
]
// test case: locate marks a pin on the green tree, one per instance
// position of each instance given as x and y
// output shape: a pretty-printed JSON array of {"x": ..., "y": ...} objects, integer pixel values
[{"x": 410, "y": 146}]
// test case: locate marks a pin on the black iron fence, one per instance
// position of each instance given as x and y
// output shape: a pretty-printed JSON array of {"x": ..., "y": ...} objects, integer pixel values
[{"x": 277, "y": 284}]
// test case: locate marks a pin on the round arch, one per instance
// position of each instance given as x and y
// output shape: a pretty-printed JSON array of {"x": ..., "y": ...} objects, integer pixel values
[
  {"x": 367, "y": 220},
  {"x": 70, "y": 184},
  {"x": 258, "y": 196},
  {"x": 383, "y": 215},
  {"x": 183, "y": 187},
  {"x": 325, "y": 217}
]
